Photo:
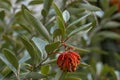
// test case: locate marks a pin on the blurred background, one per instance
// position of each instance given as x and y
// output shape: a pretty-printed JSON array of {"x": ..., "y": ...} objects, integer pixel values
[{"x": 101, "y": 57}]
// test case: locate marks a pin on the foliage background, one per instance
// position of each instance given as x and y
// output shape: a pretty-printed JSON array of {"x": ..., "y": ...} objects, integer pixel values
[{"x": 32, "y": 29}]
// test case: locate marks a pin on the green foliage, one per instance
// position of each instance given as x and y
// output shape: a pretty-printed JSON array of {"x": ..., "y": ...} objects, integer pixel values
[
  {"x": 58, "y": 11},
  {"x": 31, "y": 40},
  {"x": 11, "y": 58},
  {"x": 31, "y": 49},
  {"x": 45, "y": 69},
  {"x": 2, "y": 14},
  {"x": 61, "y": 25},
  {"x": 51, "y": 47},
  {"x": 37, "y": 24},
  {"x": 60, "y": 75}
]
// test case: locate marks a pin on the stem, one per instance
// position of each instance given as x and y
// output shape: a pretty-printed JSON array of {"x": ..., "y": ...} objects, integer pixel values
[
  {"x": 41, "y": 62},
  {"x": 17, "y": 76},
  {"x": 86, "y": 1},
  {"x": 63, "y": 75},
  {"x": 18, "y": 73},
  {"x": 49, "y": 62}
]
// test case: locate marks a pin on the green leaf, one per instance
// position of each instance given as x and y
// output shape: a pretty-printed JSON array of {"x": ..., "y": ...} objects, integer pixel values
[
  {"x": 44, "y": 13},
  {"x": 24, "y": 8},
  {"x": 5, "y": 71},
  {"x": 45, "y": 69},
  {"x": 49, "y": 62},
  {"x": 37, "y": 25},
  {"x": 72, "y": 78},
  {"x": 58, "y": 11},
  {"x": 74, "y": 10},
  {"x": 116, "y": 16},
  {"x": 3, "y": 58},
  {"x": 108, "y": 34},
  {"x": 36, "y": 2},
  {"x": 11, "y": 58},
  {"x": 31, "y": 49},
  {"x": 60, "y": 75},
  {"x": 18, "y": 1},
  {"x": 83, "y": 65},
  {"x": 47, "y": 4},
  {"x": 106, "y": 69},
  {"x": 89, "y": 7},
  {"x": 82, "y": 50},
  {"x": 110, "y": 11},
  {"x": 66, "y": 16},
  {"x": 34, "y": 76},
  {"x": 7, "y": 2},
  {"x": 26, "y": 28},
  {"x": 57, "y": 33},
  {"x": 98, "y": 50},
  {"x": 78, "y": 20},
  {"x": 79, "y": 49},
  {"x": 82, "y": 28},
  {"x": 104, "y": 4},
  {"x": 2, "y": 14},
  {"x": 41, "y": 46},
  {"x": 111, "y": 24},
  {"x": 24, "y": 58},
  {"x": 61, "y": 25},
  {"x": 51, "y": 47}
]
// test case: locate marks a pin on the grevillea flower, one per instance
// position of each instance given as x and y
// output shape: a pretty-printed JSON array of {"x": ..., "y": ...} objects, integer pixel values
[
  {"x": 68, "y": 61},
  {"x": 116, "y": 2}
]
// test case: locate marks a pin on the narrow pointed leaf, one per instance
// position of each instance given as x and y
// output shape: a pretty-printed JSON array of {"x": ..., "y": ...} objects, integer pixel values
[
  {"x": 104, "y": 4},
  {"x": 11, "y": 57},
  {"x": 26, "y": 28},
  {"x": 51, "y": 47},
  {"x": 108, "y": 34},
  {"x": 61, "y": 25},
  {"x": 4, "y": 59},
  {"x": 57, "y": 33},
  {"x": 45, "y": 69},
  {"x": 90, "y": 7},
  {"x": 34, "y": 76},
  {"x": 39, "y": 27},
  {"x": 31, "y": 49},
  {"x": 82, "y": 28},
  {"x": 82, "y": 64},
  {"x": 6, "y": 71},
  {"x": 2, "y": 14},
  {"x": 47, "y": 4},
  {"x": 24, "y": 8},
  {"x": 60, "y": 75},
  {"x": 36, "y": 2},
  {"x": 72, "y": 78},
  {"x": 81, "y": 50},
  {"x": 111, "y": 24},
  {"x": 78, "y": 20},
  {"x": 116, "y": 16},
  {"x": 41, "y": 46},
  {"x": 58, "y": 11},
  {"x": 110, "y": 11}
]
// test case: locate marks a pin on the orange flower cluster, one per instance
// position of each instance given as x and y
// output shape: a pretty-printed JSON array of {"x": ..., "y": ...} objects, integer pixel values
[
  {"x": 116, "y": 2},
  {"x": 68, "y": 61}
]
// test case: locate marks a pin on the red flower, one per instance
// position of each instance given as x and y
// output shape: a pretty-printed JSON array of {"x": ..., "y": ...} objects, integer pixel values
[{"x": 68, "y": 61}]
